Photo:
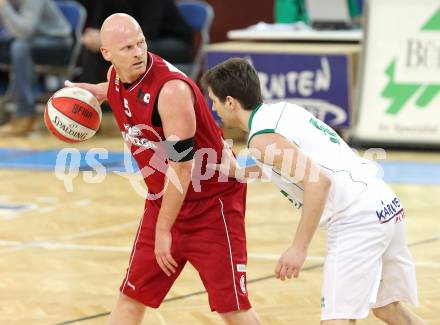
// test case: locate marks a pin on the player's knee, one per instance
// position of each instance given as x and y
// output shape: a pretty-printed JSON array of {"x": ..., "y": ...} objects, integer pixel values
[
  {"x": 386, "y": 313},
  {"x": 130, "y": 305}
]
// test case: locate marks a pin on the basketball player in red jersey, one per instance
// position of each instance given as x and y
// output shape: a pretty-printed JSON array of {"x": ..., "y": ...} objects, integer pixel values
[{"x": 156, "y": 106}]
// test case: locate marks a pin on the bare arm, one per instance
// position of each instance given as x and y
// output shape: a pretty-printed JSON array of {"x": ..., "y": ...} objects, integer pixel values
[
  {"x": 98, "y": 90},
  {"x": 316, "y": 187},
  {"x": 176, "y": 109},
  {"x": 229, "y": 166}
]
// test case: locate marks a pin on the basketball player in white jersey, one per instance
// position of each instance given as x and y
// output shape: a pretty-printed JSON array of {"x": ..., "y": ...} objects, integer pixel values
[{"x": 368, "y": 263}]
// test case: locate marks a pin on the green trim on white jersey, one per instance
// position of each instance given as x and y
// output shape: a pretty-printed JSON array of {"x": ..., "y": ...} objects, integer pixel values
[
  {"x": 349, "y": 173},
  {"x": 252, "y": 115},
  {"x": 260, "y": 132}
]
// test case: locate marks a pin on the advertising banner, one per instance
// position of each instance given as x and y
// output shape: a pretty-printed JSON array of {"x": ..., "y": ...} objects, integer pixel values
[
  {"x": 400, "y": 79},
  {"x": 318, "y": 82}
]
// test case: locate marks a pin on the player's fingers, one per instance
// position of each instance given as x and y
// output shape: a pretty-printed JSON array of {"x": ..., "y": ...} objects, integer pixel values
[
  {"x": 169, "y": 263},
  {"x": 162, "y": 265},
  {"x": 283, "y": 273},
  {"x": 290, "y": 272},
  {"x": 278, "y": 269},
  {"x": 171, "y": 260},
  {"x": 296, "y": 272},
  {"x": 170, "y": 268}
]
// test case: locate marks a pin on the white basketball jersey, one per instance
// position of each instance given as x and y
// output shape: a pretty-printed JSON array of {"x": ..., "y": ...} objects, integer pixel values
[{"x": 348, "y": 172}]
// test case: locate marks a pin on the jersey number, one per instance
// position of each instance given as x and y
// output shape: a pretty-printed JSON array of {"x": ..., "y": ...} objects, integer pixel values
[{"x": 127, "y": 109}]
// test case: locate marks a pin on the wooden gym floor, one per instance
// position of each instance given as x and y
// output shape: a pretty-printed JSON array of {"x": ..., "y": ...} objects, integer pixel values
[{"x": 63, "y": 254}]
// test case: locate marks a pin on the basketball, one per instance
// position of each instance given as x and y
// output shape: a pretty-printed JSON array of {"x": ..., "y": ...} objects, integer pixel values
[{"x": 73, "y": 114}]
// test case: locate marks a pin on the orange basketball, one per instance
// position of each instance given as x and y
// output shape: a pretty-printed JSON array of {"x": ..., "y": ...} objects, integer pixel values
[{"x": 73, "y": 114}]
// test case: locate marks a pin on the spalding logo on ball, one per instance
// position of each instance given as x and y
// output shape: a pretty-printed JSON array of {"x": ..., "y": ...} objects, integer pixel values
[{"x": 73, "y": 114}]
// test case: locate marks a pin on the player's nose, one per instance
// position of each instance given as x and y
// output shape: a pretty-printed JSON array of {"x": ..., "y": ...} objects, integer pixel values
[{"x": 138, "y": 51}]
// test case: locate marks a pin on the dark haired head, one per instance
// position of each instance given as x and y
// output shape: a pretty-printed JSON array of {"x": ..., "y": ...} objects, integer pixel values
[{"x": 237, "y": 78}]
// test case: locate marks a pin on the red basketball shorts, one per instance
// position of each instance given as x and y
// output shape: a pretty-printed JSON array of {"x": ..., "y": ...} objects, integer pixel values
[{"x": 209, "y": 234}]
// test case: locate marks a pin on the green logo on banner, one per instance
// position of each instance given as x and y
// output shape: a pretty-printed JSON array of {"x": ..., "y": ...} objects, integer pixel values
[{"x": 400, "y": 93}]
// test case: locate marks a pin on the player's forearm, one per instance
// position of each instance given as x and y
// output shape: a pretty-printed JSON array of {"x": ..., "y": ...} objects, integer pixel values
[
  {"x": 230, "y": 167},
  {"x": 101, "y": 91},
  {"x": 174, "y": 195},
  {"x": 315, "y": 198}
]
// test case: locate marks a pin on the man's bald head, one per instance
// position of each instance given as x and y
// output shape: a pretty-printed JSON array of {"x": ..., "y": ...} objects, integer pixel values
[
  {"x": 117, "y": 27},
  {"x": 124, "y": 45}
]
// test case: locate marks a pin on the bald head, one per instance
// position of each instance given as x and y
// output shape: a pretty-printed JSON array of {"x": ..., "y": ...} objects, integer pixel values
[
  {"x": 118, "y": 27},
  {"x": 124, "y": 45}
]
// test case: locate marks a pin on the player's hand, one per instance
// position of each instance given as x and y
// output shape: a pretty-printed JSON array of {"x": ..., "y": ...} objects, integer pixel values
[
  {"x": 162, "y": 250},
  {"x": 98, "y": 90},
  {"x": 290, "y": 263}
]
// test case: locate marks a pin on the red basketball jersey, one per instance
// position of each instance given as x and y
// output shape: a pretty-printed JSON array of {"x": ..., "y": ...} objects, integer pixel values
[{"x": 133, "y": 108}]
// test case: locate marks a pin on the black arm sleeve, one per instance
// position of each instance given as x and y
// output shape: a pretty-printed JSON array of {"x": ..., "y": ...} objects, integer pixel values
[{"x": 180, "y": 151}]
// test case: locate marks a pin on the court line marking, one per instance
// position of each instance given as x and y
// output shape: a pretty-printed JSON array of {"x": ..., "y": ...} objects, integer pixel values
[
  {"x": 197, "y": 293},
  {"x": 9, "y": 242},
  {"x": 99, "y": 230},
  {"x": 47, "y": 199},
  {"x": 53, "y": 245},
  {"x": 18, "y": 245},
  {"x": 13, "y": 211}
]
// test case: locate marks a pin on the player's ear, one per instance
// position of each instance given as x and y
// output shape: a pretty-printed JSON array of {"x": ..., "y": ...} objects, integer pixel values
[
  {"x": 105, "y": 54},
  {"x": 230, "y": 103}
]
